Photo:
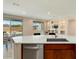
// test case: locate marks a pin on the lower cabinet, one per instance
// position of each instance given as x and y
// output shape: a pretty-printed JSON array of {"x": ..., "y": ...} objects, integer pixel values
[
  {"x": 59, "y": 51},
  {"x": 49, "y": 54},
  {"x": 48, "y": 51}
]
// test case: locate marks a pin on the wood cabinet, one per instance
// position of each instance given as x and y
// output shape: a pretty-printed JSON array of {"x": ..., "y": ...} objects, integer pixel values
[{"x": 59, "y": 51}]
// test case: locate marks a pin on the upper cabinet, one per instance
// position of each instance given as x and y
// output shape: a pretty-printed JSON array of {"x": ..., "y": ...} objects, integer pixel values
[{"x": 38, "y": 27}]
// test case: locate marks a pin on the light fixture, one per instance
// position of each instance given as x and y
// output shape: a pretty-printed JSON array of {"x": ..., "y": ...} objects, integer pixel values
[
  {"x": 16, "y": 4},
  {"x": 48, "y": 12},
  {"x": 23, "y": 12}
]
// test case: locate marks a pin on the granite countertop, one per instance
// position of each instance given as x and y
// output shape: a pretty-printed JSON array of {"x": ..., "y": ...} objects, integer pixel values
[{"x": 42, "y": 39}]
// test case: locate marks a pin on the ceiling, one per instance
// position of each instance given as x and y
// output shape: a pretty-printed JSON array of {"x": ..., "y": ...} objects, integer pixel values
[{"x": 41, "y": 9}]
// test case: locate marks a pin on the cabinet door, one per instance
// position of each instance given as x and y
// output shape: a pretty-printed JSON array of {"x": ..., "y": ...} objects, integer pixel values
[
  {"x": 64, "y": 54},
  {"x": 68, "y": 54},
  {"x": 59, "y": 51},
  {"x": 58, "y": 54},
  {"x": 49, "y": 54}
]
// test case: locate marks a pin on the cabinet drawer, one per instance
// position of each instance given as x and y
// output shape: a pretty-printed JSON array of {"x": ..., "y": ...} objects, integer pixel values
[{"x": 59, "y": 46}]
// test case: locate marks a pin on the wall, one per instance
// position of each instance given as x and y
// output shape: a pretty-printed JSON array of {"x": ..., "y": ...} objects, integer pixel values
[
  {"x": 62, "y": 25},
  {"x": 69, "y": 25},
  {"x": 27, "y": 27},
  {"x": 72, "y": 27}
]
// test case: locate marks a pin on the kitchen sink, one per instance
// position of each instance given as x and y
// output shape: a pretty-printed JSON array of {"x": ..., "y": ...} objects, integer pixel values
[{"x": 57, "y": 40}]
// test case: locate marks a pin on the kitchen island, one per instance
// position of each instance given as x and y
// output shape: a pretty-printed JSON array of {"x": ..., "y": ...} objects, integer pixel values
[{"x": 49, "y": 50}]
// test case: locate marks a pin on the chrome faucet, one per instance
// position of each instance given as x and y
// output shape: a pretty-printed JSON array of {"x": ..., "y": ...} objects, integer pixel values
[{"x": 56, "y": 27}]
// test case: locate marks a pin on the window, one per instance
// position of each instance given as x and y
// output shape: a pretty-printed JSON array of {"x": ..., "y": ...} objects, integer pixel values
[
  {"x": 37, "y": 25},
  {"x": 14, "y": 27}
]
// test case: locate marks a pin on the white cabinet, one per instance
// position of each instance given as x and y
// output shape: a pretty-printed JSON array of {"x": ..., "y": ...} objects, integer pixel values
[{"x": 38, "y": 27}]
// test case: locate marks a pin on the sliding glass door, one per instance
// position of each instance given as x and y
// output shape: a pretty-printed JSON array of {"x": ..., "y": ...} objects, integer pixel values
[
  {"x": 6, "y": 27},
  {"x": 16, "y": 27},
  {"x": 13, "y": 27}
]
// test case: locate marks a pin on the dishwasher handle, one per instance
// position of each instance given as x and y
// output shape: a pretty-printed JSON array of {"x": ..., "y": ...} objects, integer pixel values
[{"x": 32, "y": 48}]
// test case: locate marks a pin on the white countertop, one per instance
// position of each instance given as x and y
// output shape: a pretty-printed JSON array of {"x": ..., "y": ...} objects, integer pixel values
[{"x": 42, "y": 39}]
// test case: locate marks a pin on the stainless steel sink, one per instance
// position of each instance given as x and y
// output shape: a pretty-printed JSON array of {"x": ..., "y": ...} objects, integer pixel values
[{"x": 57, "y": 40}]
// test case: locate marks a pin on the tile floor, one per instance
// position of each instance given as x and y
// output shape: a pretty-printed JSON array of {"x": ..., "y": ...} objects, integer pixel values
[{"x": 7, "y": 53}]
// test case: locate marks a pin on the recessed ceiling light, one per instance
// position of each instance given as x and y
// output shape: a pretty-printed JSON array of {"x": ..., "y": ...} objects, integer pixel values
[
  {"x": 16, "y": 4},
  {"x": 23, "y": 12},
  {"x": 48, "y": 12}
]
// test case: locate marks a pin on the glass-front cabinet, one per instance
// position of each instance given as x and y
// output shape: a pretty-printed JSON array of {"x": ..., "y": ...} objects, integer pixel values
[{"x": 38, "y": 27}]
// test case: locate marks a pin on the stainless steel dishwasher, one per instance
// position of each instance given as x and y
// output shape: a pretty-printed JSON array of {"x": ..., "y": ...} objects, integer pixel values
[{"x": 32, "y": 51}]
